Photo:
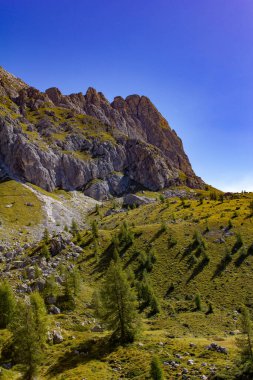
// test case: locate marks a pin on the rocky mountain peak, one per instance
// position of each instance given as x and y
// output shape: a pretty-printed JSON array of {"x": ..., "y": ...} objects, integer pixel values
[
  {"x": 85, "y": 142},
  {"x": 95, "y": 98}
]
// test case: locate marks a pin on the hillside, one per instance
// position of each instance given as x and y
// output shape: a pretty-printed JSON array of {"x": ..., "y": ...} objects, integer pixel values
[{"x": 195, "y": 243}]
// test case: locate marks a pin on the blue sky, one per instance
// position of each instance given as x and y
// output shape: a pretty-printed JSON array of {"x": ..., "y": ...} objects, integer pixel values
[{"x": 193, "y": 58}]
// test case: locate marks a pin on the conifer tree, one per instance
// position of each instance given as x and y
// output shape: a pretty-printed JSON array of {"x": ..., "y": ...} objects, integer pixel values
[
  {"x": 74, "y": 227},
  {"x": 39, "y": 317},
  {"x": 94, "y": 229},
  {"x": 29, "y": 328},
  {"x": 7, "y": 303},
  {"x": 51, "y": 288},
  {"x": 45, "y": 251},
  {"x": 156, "y": 371},
  {"x": 71, "y": 287},
  {"x": 245, "y": 342},
  {"x": 251, "y": 208},
  {"x": 115, "y": 248},
  {"x": 117, "y": 306},
  {"x": 46, "y": 236},
  {"x": 126, "y": 237},
  {"x": 197, "y": 301}
]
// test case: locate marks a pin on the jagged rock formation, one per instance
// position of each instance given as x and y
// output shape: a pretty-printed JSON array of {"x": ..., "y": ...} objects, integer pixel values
[{"x": 83, "y": 142}]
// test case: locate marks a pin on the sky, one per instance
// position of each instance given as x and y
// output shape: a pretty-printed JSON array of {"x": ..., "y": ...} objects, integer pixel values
[{"x": 192, "y": 58}]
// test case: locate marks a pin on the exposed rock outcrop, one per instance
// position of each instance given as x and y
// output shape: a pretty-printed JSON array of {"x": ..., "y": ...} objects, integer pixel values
[{"x": 83, "y": 142}]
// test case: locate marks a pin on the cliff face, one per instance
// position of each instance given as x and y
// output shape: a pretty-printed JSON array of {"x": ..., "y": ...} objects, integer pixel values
[{"x": 84, "y": 142}]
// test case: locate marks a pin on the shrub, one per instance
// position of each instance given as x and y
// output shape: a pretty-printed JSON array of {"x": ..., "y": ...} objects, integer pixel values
[{"x": 162, "y": 198}]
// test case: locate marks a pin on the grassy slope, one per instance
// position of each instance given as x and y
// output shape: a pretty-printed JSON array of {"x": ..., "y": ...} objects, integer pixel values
[
  {"x": 20, "y": 211},
  {"x": 225, "y": 289}
]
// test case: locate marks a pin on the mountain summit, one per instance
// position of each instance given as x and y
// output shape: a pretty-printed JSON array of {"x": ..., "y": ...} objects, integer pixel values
[{"x": 84, "y": 142}]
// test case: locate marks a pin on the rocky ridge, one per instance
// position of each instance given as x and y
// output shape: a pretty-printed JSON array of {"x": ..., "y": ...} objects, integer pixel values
[{"x": 84, "y": 142}]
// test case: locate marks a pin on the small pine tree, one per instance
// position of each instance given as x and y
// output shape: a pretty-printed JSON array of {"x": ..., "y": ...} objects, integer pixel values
[
  {"x": 76, "y": 281},
  {"x": 163, "y": 227},
  {"x": 230, "y": 225},
  {"x": 115, "y": 248},
  {"x": 156, "y": 371},
  {"x": 96, "y": 250},
  {"x": 46, "y": 236},
  {"x": 74, "y": 227},
  {"x": 94, "y": 229},
  {"x": 251, "y": 208},
  {"x": 245, "y": 343},
  {"x": 155, "y": 307},
  {"x": 201, "y": 199},
  {"x": 210, "y": 308},
  {"x": 51, "y": 289},
  {"x": 78, "y": 237},
  {"x": 117, "y": 306},
  {"x": 71, "y": 287},
  {"x": 29, "y": 328},
  {"x": 126, "y": 237},
  {"x": 221, "y": 198},
  {"x": 162, "y": 198},
  {"x": 40, "y": 317},
  {"x": 37, "y": 271},
  {"x": 7, "y": 304},
  {"x": 213, "y": 196},
  {"x": 45, "y": 251},
  {"x": 197, "y": 301}
]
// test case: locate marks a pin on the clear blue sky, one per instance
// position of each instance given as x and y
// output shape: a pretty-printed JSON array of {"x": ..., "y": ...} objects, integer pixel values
[{"x": 193, "y": 58}]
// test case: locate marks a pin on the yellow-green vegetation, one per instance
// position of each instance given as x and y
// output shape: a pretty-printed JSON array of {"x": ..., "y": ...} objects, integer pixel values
[
  {"x": 20, "y": 210},
  {"x": 63, "y": 121},
  {"x": 51, "y": 125},
  {"x": 195, "y": 255},
  {"x": 7, "y": 107}
]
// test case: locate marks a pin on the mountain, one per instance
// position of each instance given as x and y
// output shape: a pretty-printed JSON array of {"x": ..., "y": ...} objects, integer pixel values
[
  {"x": 84, "y": 142},
  {"x": 184, "y": 248}
]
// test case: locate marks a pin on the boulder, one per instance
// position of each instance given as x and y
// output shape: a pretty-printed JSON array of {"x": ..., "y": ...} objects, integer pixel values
[
  {"x": 98, "y": 190},
  {"x": 57, "y": 337},
  {"x": 97, "y": 328},
  {"x": 132, "y": 199},
  {"x": 57, "y": 244},
  {"x": 54, "y": 310}
]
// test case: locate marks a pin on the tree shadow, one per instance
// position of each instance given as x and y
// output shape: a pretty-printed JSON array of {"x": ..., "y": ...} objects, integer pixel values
[
  {"x": 222, "y": 265},
  {"x": 236, "y": 246},
  {"x": 240, "y": 260},
  {"x": 189, "y": 249},
  {"x": 243, "y": 256},
  {"x": 131, "y": 259},
  {"x": 170, "y": 289},
  {"x": 105, "y": 259},
  {"x": 198, "y": 269},
  {"x": 157, "y": 235},
  {"x": 92, "y": 349},
  {"x": 87, "y": 243},
  {"x": 125, "y": 248}
]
